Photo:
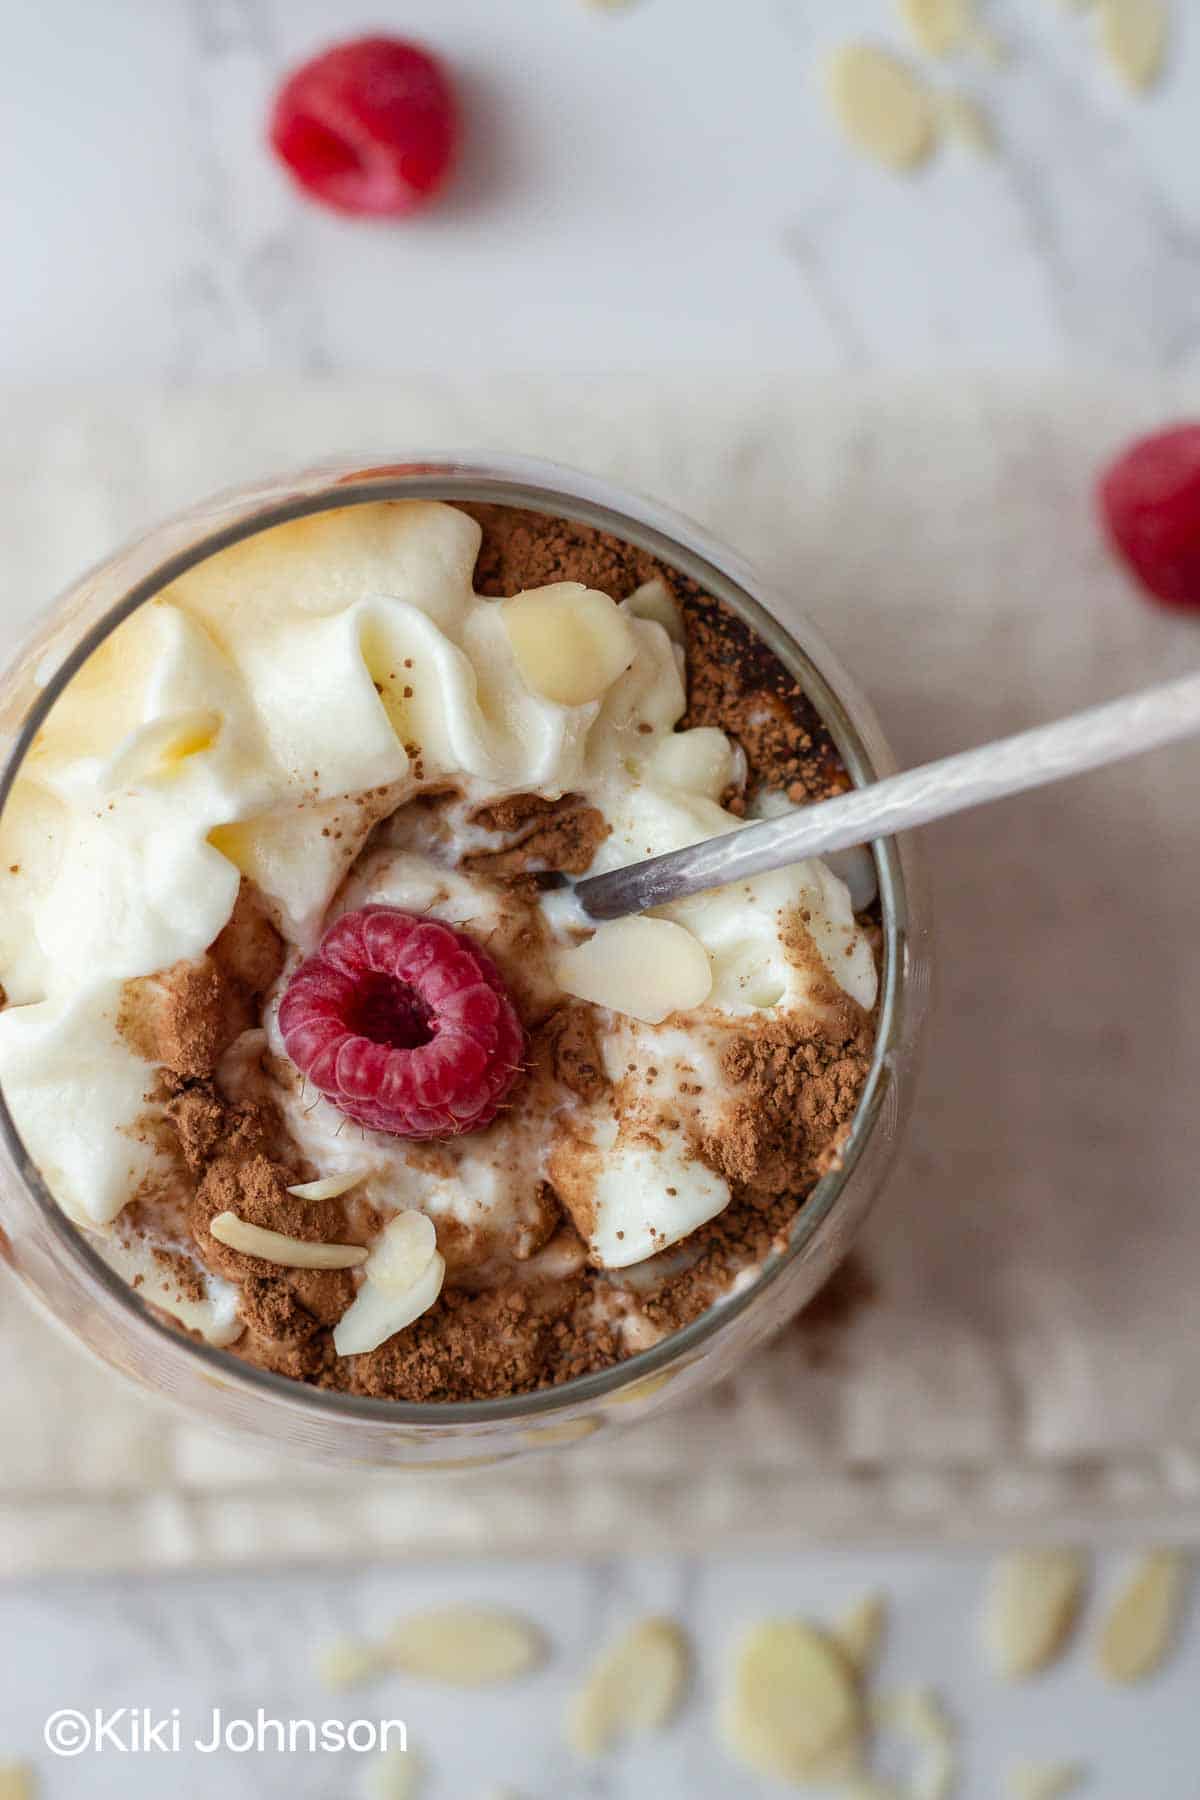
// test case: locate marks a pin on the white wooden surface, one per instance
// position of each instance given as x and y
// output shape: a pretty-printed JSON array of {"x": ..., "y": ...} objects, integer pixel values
[
  {"x": 239, "y": 1644},
  {"x": 659, "y": 185},
  {"x": 650, "y": 189}
]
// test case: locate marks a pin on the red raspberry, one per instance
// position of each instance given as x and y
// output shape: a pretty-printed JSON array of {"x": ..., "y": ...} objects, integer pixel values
[
  {"x": 404, "y": 1023},
  {"x": 1150, "y": 499},
  {"x": 369, "y": 127}
]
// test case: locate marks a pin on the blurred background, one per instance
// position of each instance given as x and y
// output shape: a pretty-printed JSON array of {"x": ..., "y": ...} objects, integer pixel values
[{"x": 663, "y": 259}]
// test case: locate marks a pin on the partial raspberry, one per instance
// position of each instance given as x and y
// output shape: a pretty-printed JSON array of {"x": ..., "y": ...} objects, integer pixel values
[
  {"x": 404, "y": 1023},
  {"x": 1150, "y": 499},
  {"x": 368, "y": 127}
]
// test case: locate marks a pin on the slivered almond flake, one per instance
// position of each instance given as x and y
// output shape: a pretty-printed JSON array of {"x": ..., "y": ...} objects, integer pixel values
[
  {"x": 646, "y": 968},
  {"x": 396, "y": 1775},
  {"x": 377, "y": 1313},
  {"x": 570, "y": 642},
  {"x": 329, "y": 1187},
  {"x": 402, "y": 1252},
  {"x": 1139, "y": 1628},
  {"x": 859, "y": 1633},
  {"x": 1044, "y": 1781},
  {"x": 1031, "y": 1608},
  {"x": 635, "y": 1686},
  {"x": 917, "y": 1714},
  {"x": 465, "y": 1646},
  {"x": 938, "y": 26},
  {"x": 792, "y": 1711},
  {"x": 883, "y": 109},
  {"x": 277, "y": 1247},
  {"x": 17, "y": 1781},
  {"x": 348, "y": 1662},
  {"x": 1133, "y": 34}
]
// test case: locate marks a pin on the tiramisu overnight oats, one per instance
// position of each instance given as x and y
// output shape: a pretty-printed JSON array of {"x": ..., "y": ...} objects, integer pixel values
[{"x": 304, "y": 1025}]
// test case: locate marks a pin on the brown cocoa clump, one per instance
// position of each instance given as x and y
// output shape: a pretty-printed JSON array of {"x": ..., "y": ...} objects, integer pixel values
[
  {"x": 480, "y": 1346},
  {"x": 574, "y": 1048},
  {"x": 561, "y": 836},
  {"x": 187, "y": 1017}
]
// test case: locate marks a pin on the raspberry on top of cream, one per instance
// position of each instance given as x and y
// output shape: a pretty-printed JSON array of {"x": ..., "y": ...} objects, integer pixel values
[{"x": 328, "y": 716}]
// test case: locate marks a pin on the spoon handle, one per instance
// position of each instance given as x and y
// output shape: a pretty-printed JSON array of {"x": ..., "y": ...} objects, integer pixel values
[{"x": 1086, "y": 740}]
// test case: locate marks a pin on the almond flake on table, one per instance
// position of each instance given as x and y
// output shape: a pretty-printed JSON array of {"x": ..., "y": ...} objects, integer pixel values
[
  {"x": 1044, "y": 1781},
  {"x": 792, "y": 1711},
  {"x": 883, "y": 110},
  {"x": 859, "y": 1633},
  {"x": 396, "y": 1775},
  {"x": 635, "y": 1686},
  {"x": 1140, "y": 1626},
  {"x": 938, "y": 27},
  {"x": 349, "y": 1662},
  {"x": 1133, "y": 35},
  {"x": 465, "y": 1646},
  {"x": 1031, "y": 1608},
  {"x": 918, "y": 1714},
  {"x": 17, "y": 1781}
]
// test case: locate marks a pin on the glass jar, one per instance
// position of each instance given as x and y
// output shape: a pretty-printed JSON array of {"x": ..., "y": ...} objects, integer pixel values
[{"x": 81, "y": 1294}]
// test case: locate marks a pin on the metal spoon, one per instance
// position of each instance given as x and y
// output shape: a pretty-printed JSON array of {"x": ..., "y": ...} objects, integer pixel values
[{"x": 1086, "y": 740}]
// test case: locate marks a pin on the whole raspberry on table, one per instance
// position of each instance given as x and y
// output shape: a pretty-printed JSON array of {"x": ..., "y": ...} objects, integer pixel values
[
  {"x": 369, "y": 127},
  {"x": 1150, "y": 500},
  {"x": 404, "y": 1023}
]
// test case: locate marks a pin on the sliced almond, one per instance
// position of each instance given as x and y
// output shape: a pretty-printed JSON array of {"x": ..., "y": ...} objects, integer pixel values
[
  {"x": 938, "y": 27},
  {"x": 1133, "y": 34},
  {"x": 1031, "y": 1609},
  {"x": 17, "y": 1781},
  {"x": 277, "y": 1247},
  {"x": 329, "y": 1187},
  {"x": 654, "y": 600},
  {"x": 396, "y": 1775},
  {"x": 1139, "y": 1629},
  {"x": 882, "y": 108},
  {"x": 402, "y": 1252},
  {"x": 936, "y": 1775},
  {"x": 571, "y": 642},
  {"x": 1044, "y": 1781},
  {"x": 377, "y": 1313},
  {"x": 792, "y": 1711},
  {"x": 349, "y": 1662},
  {"x": 645, "y": 968},
  {"x": 465, "y": 1646},
  {"x": 635, "y": 1686},
  {"x": 917, "y": 1714},
  {"x": 859, "y": 1633}
]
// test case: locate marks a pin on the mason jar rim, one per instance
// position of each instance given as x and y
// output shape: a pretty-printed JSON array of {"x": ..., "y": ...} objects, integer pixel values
[{"x": 561, "y": 492}]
